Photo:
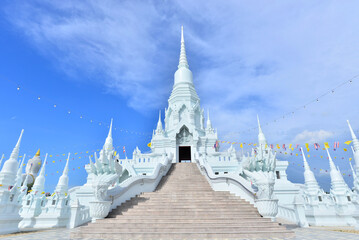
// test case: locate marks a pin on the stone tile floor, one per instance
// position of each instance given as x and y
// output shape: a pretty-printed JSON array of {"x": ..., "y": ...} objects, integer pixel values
[{"x": 311, "y": 233}]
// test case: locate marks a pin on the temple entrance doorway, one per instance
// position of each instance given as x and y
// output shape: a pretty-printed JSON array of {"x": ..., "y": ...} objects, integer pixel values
[{"x": 184, "y": 154}]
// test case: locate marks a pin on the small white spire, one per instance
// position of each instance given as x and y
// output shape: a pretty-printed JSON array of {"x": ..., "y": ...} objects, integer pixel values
[
  {"x": 183, "y": 58},
  {"x": 110, "y": 131},
  {"x": 159, "y": 129},
  {"x": 93, "y": 168},
  {"x": 351, "y": 130},
  {"x": 39, "y": 184},
  {"x": 355, "y": 179},
  {"x": 11, "y": 165},
  {"x": 62, "y": 185},
  {"x": 209, "y": 123},
  {"x": 354, "y": 137},
  {"x": 2, "y": 158},
  {"x": 19, "y": 172},
  {"x": 309, "y": 177},
  {"x": 331, "y": 163},
  {"x": 25, "y": 182},
  {"x": 15, "y": 152},
  {"x": 159, "y": 123},
  {"x": 261, "y": 138},
  {"x": 66, "y": 169},
  {"x": 337, "y": 181},
  {"x": 42, "y": 171}
]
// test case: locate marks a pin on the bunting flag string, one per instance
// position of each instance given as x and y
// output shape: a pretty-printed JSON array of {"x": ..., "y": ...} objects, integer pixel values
[
  {"x": 291, "y": 154},
  {"x": 290, "y": 146},
  {"x": 68, "y": 111},
  {"x": 304, "y": 106}
]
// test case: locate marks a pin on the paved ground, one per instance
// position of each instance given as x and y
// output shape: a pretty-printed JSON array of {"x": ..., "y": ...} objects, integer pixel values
[{"x": 311, "y": 233}]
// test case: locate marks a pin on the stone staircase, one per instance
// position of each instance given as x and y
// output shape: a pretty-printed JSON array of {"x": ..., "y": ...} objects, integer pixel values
[{"x": 184, "y": 206}]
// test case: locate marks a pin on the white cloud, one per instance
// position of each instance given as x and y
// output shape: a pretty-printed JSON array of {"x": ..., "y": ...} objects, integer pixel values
[
  {"x": 312, "y": 137},
  {"x": 247, "y": 57}
]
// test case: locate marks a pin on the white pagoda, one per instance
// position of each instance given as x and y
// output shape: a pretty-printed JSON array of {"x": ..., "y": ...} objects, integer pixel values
[{"x": 184, "y": 133}]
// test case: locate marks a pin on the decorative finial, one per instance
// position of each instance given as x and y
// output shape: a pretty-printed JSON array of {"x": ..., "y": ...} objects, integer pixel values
[
  {"x": 37, "y": 153},
  {"x": 183, "y": 58}
]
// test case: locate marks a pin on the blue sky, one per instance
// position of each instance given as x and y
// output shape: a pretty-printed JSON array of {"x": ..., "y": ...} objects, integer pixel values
[{"x": 116, "y": 59}]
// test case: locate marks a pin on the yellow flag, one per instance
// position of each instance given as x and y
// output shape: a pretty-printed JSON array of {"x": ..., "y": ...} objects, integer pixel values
[
  {"x": 326, "y": 145},
  {"x": 266, "y": 146},
  {"x": 115, "y": 153},
  {"x": 254, "y": 144},
  {"x": 149, "y": 145},
  {"x": 307, "y": 146},
  {"x": 345, "y": 149},
  {"x": 241, "y": 145},
  {"x": 321, "y": 156},
  {"x": 296, "y": 154},
  {"x": 290, "y": 145},
  {"x": 278, "y": 146},
  {"x": 350, "y": 159},
  {"x": 308, "y": 155},
  {"x": 347, "y": 142}
]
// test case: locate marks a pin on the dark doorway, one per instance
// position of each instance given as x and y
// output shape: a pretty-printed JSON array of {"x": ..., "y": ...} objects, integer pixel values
[{"x": 184, "y": 154}]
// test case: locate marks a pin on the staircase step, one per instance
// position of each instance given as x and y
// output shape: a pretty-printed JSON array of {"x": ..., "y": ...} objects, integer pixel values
[{"x": 184, "y": 206}]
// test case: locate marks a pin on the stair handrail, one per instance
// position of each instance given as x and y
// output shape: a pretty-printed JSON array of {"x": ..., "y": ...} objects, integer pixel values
[
  {"x": 161, "y": 168},
  {"x": 204, "y": 165}
]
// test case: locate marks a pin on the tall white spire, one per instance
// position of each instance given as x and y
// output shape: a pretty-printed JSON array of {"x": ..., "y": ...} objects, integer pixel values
[
  {"x": 19, "y": 172},
  {"x": 62, "y": 185},
  {"x": 261, "y": 138},
  {"x": 183, "y": 58},
  {"x": 310, "y": 181},
  {"x": 39, "y": 184}
]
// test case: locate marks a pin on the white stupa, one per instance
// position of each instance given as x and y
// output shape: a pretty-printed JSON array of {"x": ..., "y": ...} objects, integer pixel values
[{"x": 184, "y": 133}]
